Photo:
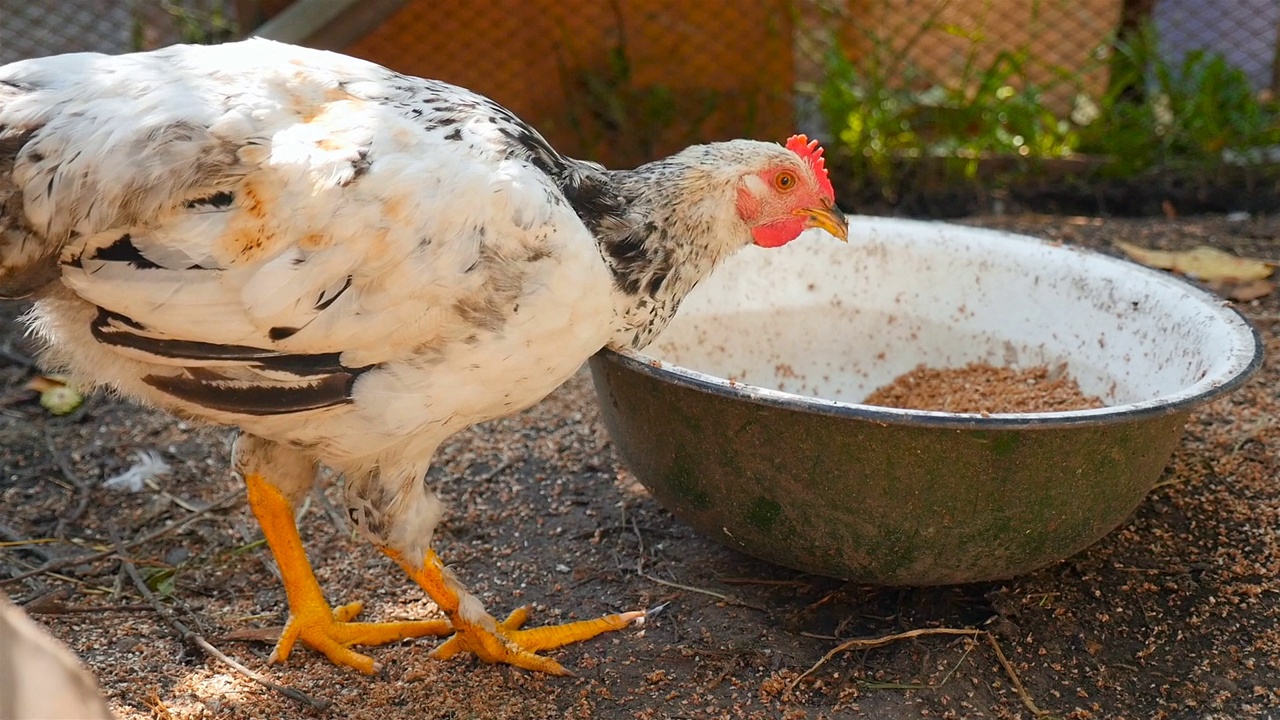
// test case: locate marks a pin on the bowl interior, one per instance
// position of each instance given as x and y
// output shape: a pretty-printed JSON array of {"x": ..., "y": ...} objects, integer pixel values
[{"x": 832, "y": 322}]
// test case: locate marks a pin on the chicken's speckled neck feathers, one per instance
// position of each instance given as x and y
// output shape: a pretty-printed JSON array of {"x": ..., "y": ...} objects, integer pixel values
[{"x": 661, "y": 228}]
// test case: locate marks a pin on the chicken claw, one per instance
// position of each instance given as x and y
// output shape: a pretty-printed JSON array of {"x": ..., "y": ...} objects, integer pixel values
[
  {"x": 332, "y": 634},
  {"x": 476, "y": 631},
  {"x": 325, "y": 630}
]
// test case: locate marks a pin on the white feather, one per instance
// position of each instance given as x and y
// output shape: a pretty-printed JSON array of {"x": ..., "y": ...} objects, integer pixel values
[
  {"x": 233, "y": 204},
  {"x": 148, "y": 465},
  {"x": 355, "y": 227}
]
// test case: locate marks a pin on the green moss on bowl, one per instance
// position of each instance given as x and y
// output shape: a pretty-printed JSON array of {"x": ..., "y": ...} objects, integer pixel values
[{"x": 743, "y": 418}]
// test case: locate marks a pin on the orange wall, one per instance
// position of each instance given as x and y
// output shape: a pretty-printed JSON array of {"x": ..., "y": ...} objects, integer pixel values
[
  {"x": 1055, "y": 32},
  {"x": 705, "y": 70}
]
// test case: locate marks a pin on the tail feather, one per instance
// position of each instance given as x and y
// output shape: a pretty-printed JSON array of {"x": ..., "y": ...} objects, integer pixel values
[{"x": 27, "y": 261}]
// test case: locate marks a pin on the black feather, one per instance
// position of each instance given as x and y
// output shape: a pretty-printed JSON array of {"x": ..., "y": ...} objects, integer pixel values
[
  {"x": 633, "y": 255},
  {"x": 528, "y": 145},
  {"x": 114, "y": 329},
  {"x": 323, "y": 303},
  {"x": 593, "y": 198},
  {"x": 359, "y": 167},
  {"x": 323, "y": 392},
  {"x": 655, "y": 282},
  {"x": 123, "y": 250},
  {"x": 220, "y": 200},
  {"x": 106, "y": 317}
]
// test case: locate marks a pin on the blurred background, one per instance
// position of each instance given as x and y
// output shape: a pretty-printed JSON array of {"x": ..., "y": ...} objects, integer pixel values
[{"x": 927, "y": 107}]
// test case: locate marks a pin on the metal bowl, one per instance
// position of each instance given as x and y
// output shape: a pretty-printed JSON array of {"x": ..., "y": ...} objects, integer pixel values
[{"x": 743, "y": 417}]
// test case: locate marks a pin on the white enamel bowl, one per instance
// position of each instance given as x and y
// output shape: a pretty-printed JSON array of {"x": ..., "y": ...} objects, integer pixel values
[{"x": 743, "y": 417}]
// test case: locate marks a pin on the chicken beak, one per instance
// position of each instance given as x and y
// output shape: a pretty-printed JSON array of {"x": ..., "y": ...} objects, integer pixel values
[{"x": 829, "y": 218}]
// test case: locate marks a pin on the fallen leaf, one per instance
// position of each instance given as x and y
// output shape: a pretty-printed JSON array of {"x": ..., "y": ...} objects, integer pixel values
[
  {"x": 1206, "y": 263},
  {"x": 60, "y": 400},
  {"x": 55, "y": 395},
  {"x": 1251, "y": 290},
  {"x": 42, "y": 383}
]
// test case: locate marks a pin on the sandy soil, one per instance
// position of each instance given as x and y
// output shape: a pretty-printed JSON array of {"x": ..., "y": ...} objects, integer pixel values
[{"x": 1174, "y": 615}]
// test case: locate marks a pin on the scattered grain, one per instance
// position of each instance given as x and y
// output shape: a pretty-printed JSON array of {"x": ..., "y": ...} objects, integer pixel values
[
  {"x": 1172, "y": 615},
  {"x": 984, "y": 389}
]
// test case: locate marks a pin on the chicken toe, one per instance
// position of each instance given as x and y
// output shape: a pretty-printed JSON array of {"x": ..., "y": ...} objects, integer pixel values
[
  {"x": 478, "y": 632},
  {"x": 331, "y": 633},
  {"x": 311, "y": 620}
]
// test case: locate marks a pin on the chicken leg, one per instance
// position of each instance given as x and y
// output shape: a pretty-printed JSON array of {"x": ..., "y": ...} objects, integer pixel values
[
  {"x": 477, "y": 631},
  {"x": 311, "y": 620}
]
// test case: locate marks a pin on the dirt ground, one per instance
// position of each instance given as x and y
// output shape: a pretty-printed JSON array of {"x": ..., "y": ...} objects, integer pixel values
[{"x": 1174, "y": 615}]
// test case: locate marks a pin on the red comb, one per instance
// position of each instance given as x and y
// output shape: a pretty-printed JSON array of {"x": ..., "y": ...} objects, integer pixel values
[{"x": 812, "y": 154}]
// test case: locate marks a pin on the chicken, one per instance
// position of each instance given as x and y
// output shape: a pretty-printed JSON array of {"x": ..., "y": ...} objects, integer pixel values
[
  {"x": 40, "y": 679},
  {"x": 350, "y": 266}
]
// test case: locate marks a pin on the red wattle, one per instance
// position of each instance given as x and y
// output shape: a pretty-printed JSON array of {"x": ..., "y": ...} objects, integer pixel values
[{"x": 777, "y": 234}]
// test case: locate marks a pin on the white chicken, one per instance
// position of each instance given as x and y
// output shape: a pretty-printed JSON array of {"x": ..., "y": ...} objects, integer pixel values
[
  {"x": 351, "y": 265},
  {"x": 41, "y": 678}
]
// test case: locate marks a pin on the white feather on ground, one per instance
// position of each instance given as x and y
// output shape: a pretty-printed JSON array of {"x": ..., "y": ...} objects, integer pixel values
[{"x": 148, "y": 465}]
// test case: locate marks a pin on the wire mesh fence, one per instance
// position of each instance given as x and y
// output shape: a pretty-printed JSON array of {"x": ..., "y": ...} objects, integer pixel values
[
  {"x": 625, "y": 80},
  {"x": 31, "y": 29},
  {"x": 618, "y": 80},
  {"x": 931, "y": 95},
  {"x": 1146, "y": 81}
]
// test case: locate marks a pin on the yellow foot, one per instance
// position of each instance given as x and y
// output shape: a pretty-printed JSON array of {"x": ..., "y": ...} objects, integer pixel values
[
  {"x": 332, "y": 633},
  {"x": 498, "y": 642},
  {"x": 505, "y": 642}
]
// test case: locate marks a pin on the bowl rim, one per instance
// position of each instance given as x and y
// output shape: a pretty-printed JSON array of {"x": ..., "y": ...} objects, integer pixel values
[{"x": 1202, "y": 391}]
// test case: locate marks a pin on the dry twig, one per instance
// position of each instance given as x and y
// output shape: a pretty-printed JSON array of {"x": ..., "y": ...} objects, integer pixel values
[
  {"x": 15, "y": 539},
  {"x": 1013, "y": 677},
  {"x": 53, "y": 603},
  {"x": 690, "y": 588},
  {"x": 81, "y": 488},
  {"x": 721, "y": 596},
  {"x": 187, "y": 634},
  {"x": 339, "y": 520},
  {"x": 49, "y": 599},
  {"x": 762, "y": 581},
  {"x": 53, "y": 565},
  {"x": 868, "y": 643},
  {"x": 58, "y": 608}
]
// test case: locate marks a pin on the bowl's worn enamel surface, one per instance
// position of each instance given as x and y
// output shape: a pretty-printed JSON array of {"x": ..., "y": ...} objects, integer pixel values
[{"x": 742, "y": 417}]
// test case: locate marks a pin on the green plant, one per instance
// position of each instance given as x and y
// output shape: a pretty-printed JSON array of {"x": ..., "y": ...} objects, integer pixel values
[
  {"x": 1182, "y": 116},
  {"x": 203, "y": 28},
  {"x": 614, "y": 118},
  {"x": 193, "y": 26},
  {"x": 882, "y": 121},
  {"x": 606, "y": 107}
]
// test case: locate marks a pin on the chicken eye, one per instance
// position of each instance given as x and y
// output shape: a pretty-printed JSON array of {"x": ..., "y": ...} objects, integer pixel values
[{"x": 785, "y": 180}]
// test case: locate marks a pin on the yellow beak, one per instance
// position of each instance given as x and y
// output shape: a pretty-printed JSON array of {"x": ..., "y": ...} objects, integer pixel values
[{"x": 829, "y": 218}]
